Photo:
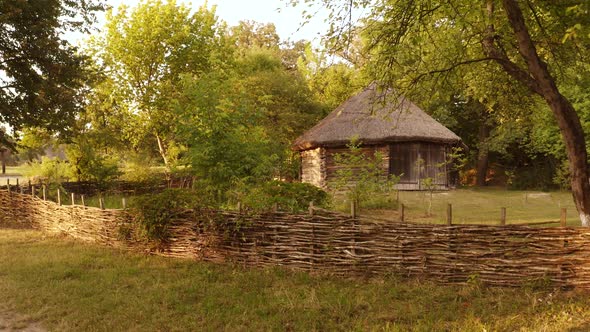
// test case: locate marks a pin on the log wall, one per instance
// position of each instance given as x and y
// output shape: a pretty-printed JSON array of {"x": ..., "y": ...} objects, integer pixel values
[
  {"x": 334, "y": 243},
  {"x": 313, "y": 167}
]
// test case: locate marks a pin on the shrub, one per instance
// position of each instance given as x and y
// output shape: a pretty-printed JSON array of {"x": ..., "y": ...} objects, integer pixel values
[
  {"x": 289, "y": 196},
  {"x": 140, "y": 168},
  {"x": 156, "y": 211},
  {"x": 49, "y": 171},
  {"x": 361, "y": 176},
  {"x": 89, "y": 165}
]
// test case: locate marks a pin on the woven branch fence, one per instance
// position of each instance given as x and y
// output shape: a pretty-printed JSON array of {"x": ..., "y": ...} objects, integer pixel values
[{"x": 511, "y": 255}]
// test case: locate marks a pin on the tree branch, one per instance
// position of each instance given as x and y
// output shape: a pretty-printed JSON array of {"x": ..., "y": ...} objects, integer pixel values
[
  {"x": 494, "y": 52},
  {"x": 451, "y": 68}
]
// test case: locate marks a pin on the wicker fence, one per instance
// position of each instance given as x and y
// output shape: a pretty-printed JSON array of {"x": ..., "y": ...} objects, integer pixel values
[{"x": 509, "y": 255}]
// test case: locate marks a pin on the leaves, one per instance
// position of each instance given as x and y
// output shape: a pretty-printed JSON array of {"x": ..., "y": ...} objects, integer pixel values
[{"x": 42, "y": 76}]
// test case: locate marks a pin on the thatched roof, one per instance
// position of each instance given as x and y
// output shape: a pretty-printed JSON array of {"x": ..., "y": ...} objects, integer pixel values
[{"x": 375, "y": 116}]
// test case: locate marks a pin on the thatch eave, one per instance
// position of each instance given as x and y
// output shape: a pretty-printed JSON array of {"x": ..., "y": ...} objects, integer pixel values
[
  {"x": 309, "y": 145},
  {"x": 375, "y": 117}
]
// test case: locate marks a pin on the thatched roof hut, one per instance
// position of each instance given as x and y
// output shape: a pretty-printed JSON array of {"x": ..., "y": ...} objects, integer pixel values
[{"x": 385, "y": 122}]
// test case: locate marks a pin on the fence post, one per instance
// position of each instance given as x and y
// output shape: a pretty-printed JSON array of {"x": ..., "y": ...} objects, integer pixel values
[
  {"x": 17, "y": 182},
  {"x": 449, "y": 214},
  {"x": 239, "y": 207},
  {"x": 275, "y": 207},
  {"x": 312, "y": 253},
  {"x": 503, "y": 216},
  {"x": 310, "y": 209},
  {"x": 73, "y": 199},
  {"x": 33, "y": 191},
  {"x": 353, "y": 209},
  {"x": 402, "y": 212},
  {"x": 44, "y": 192},
  {"x": 22, "y": 190},
  {"x": 563, "y": 218},
  {"x": 82, "y": 198},
  {"x": 8, "y": 182},
  {"x": 124, "y": 201},
  {"x": 58, "y": 197},
  {"x": 101, "y": 202},
  {"x": 8, "y": 186}
]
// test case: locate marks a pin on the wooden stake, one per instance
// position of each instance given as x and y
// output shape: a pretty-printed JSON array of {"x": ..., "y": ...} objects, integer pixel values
[
  {"x": 22, "y": 190},
  {"x": 240, "y": 207},
  {"x": 101, "y": 203},
  {"x": 82, "y": 198},
  {"x": 17, "y": 182},
  {"x": 58, "y": 197},
  {"x": 353, "y": 209},
  {"x": 503, "y": 216},
  {"x": 124, "y": 201},
  {"x": 8, "y": 182},
  {"x": 449, "y": 214},
  {"x": 33, "y": 191},
  {"x": 563, "y": 218},
  {"x": 8, "y": 186},
  {"x": 402, "y": 212},
  {"x": 310, "y": 209},
  {"x": 73, "y": 199},
  {"x": 44, "y": 192},
  {"x": 275, "y": 207}
]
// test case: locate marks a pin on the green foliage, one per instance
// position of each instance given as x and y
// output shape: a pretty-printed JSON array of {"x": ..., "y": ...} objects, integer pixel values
[
  {"x": 34, "y": 141},
  {"x": 361, "y": 176},
  {"x": 140, "y": 167},
  {"x": 562, "y": 176},
  {"x": 145, "y": 52},
  {"x": 289, "y": 196},
  {"x": 157, "y": 211},
  {"x": 89, "y": 165},
  {"x": 41, "y": 73},
  {"x": 538, "y": 175},
  {"x": 49, "y": 171}
]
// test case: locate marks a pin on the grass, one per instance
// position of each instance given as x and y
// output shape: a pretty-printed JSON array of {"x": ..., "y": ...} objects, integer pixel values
[
  {"x": 12, "y": 174},
  {"x": 64, "y": 285},
  {"x": 481, "y": 206}
]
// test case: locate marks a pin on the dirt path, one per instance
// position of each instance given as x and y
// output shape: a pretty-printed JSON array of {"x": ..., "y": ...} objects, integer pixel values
[{"x": 10, "y": 321}]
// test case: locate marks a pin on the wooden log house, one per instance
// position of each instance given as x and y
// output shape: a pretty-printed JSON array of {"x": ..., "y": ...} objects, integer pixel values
[{"x": 413, "y": 144}]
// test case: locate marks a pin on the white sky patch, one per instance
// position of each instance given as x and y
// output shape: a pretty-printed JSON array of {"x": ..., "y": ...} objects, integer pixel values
[{"x": 287, "y": 19}]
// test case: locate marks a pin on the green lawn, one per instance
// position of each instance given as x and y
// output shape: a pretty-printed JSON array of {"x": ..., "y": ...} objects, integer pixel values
[
  {"x": 12, "y": 174},
  {"x": 63, "y": 285},
  {"x": 482, "y": 206}
]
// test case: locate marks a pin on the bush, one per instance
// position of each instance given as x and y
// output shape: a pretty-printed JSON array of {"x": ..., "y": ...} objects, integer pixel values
[
  {"x": 89, "y": 165},
  {"x": 156, "y": 211},
  {"x": 49, "y": 171},
  {"x": 140, "y": 168},
  {"x": 289, "y": 196}
]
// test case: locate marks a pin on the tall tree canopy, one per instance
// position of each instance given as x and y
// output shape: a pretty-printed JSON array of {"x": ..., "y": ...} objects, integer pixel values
[
  {"x": 531, "y": 42},
  {"x": 41, "y": 74},
  {"x": 145, "y": 51}
]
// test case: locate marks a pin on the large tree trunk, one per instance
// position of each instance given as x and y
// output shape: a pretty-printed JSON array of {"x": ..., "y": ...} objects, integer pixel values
[{"x": 541, "y": 82}]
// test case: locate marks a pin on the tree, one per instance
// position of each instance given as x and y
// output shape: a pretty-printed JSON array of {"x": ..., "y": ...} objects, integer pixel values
[
  {"x": 146, "y": 50},
  {"x": 41, "y": 74},
  {"x": 529, "y": 43}
]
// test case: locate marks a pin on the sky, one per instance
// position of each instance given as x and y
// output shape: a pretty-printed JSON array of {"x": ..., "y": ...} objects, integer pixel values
[{"x": 286, "y": 18}]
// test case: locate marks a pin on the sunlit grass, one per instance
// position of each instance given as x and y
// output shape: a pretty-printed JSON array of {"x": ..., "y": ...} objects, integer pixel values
[
  {"x": 68, "y": 286},
  {"x": 478, "y": 206}
]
